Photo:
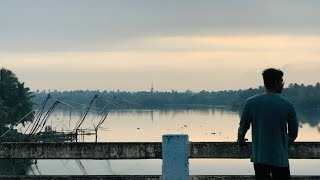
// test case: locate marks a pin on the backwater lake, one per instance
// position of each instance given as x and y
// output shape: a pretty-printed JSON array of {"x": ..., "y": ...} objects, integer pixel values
[{"x": 202, "y": 125}]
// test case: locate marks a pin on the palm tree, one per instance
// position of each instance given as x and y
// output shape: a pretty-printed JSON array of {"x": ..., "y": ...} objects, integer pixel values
[
  {"x": 8, "y": 83},
  {"x": 3, "y": 110},
  {"x": 15, "y": 103},
  {"x": 21, "y": 105},
  {"x": 15, "y": 99}
]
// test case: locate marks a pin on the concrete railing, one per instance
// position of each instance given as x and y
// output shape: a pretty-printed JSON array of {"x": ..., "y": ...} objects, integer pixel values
[{"x": 175, "y": 151}]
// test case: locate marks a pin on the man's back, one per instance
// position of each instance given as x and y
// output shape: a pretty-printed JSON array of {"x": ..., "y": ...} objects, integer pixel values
[{"x": 270, "y": 115}]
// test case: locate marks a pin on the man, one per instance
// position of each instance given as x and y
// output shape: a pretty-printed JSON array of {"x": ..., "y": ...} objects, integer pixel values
[{"x": 274, "y": 127}]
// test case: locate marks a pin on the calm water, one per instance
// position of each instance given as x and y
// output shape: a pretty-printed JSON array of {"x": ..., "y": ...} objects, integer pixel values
[{"x": 149, "y": 126}]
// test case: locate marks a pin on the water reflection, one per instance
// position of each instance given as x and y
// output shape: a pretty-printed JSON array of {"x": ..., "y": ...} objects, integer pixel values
[
  {"x": 153, "y": 167},
  {"x": 311, "y": 118},
  {"x": 306, "y": 118},
  {"x": 149, "y": 126},
  {"x": 13, "y": 166}
]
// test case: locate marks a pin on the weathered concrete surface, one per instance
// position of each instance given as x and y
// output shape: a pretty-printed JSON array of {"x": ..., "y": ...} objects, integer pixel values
[
  {"x": 217, "y": 177},
  {"x": 305, "y": 150},
  {"x": 299, "y": 150},
  {"x": 80, "y": 150},
  {"x": 80, "y": 177},
  {"x": 218, "y": 150},
  {"x": 225, "y": 177},
  {"x": 140, "y": 150},
  {"x": 175, "y": 160}
]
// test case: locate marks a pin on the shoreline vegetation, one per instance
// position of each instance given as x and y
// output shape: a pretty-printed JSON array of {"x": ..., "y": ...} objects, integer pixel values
[
  {"x": 305, "y": 98},
  {"x": 15, "y": 103},
  {"x": 16, "y": 100},
  {"x": 15, "y": 108}
]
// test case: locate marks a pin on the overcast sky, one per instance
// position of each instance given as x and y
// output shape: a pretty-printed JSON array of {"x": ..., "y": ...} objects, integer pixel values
[{"x": 181, "y": 44}]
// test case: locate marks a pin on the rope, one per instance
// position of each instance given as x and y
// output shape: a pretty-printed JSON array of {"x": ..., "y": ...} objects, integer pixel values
[
  {"x": 137, "y": 104},
  {"x": 80, "y": 104},
  {"x": 115, "y": 104},
  {"x": 17, "y": 123}
]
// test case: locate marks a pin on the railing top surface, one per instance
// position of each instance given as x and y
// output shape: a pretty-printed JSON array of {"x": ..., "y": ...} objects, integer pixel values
[
  {"x": 151, "y": 143},
  {"x": 143, "y": 177},
  {"x": 141, "y": 150}
]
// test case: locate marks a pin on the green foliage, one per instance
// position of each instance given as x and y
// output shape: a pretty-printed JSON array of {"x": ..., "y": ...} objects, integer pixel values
[{"x": 15, "y": 100}]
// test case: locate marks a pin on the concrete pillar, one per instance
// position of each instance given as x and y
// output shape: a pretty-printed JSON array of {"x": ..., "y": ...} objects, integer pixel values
[{"x": 175, "y": 162}]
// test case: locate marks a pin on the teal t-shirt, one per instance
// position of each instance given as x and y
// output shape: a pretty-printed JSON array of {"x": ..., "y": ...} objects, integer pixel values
[{"x": 274, "y": 127}]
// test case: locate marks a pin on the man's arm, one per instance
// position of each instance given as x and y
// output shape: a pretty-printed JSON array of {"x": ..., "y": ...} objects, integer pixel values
[
  {"x": 244, "y": 124},
  {"x": 293, "y": 125}
]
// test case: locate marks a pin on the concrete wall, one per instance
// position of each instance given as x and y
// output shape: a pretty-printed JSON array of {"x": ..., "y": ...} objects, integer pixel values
[
  {"x": 143, "y": 150},
  {"x": 81, "y": 150},
  {"x": 176, "y": 151},
  {"x": 299, "y": 150}
]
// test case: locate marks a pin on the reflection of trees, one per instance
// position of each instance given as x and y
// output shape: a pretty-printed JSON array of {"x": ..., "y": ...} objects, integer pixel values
[
  {"x": 310, "y": 117},
  {"x": 14, "y": 167}
]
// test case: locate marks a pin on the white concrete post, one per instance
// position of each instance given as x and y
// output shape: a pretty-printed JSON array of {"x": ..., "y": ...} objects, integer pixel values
[{"x": 175, "y": 159}]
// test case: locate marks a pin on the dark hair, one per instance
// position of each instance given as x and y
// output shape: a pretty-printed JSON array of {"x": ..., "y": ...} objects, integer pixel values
[{"x": 271, "y": 77}]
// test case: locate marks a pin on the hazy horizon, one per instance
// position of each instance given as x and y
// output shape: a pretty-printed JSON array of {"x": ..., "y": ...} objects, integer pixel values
[{"x": 180, "y": 45}]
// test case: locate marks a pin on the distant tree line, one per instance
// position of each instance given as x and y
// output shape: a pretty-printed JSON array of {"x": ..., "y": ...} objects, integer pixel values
[{"x": 304, "y": 97}]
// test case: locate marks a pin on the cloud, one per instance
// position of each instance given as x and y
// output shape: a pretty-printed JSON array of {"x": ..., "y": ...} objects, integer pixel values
[
  {"x": 79, "y": 25},
  {"x": 181, "y": 52},
  {"x": 172, "y": 64}
]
